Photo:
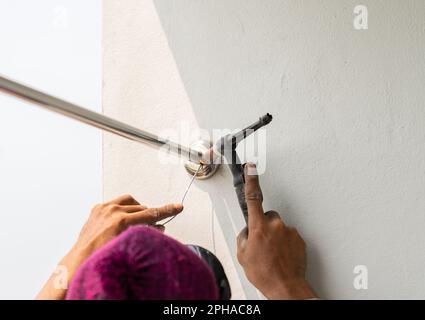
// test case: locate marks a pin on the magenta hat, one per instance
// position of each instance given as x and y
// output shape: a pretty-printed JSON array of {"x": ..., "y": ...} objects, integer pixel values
[{"x": 143, "y": 264}]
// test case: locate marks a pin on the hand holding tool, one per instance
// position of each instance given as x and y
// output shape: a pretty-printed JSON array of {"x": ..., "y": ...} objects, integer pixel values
[{"x": 226, "y": 146}]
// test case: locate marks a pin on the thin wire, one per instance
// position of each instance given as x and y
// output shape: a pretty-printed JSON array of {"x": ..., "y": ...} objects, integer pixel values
[
  {"x": 191, "y": 181},
  {"x": 185, "y": 193}
]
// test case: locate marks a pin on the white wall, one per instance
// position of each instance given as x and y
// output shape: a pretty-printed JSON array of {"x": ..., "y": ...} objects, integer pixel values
[
  {"x": 50, "y": 166},
  {"x": 345, "y": 152}
]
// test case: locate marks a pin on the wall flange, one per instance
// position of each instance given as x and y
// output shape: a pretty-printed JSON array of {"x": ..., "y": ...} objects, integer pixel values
[{"x": 207, "y": 170}]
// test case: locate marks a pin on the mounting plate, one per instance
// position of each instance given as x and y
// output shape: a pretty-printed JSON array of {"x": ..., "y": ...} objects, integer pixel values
[{"x": 207, "y": 170}]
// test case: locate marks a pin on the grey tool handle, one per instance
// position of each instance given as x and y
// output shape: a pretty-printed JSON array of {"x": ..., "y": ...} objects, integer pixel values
[
  {"x": 239, "y": 184},
  {"x": 226, "y": 147}
]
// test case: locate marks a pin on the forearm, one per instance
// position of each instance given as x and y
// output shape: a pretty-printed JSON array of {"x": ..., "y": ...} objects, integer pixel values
[
  {"x": 291, "y": 290},
  {"x": 56, "y": 286},
  {"x": 106, "y": 221}
]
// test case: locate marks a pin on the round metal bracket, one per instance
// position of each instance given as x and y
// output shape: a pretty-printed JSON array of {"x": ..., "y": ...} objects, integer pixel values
[{"x": 207, "y": 170}]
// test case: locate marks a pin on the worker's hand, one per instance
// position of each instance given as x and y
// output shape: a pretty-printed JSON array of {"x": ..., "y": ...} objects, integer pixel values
[
  {"x": 109, "y": 219},
  {"x": 106, "y": 221},
  {"x": 272, "y": 254}
]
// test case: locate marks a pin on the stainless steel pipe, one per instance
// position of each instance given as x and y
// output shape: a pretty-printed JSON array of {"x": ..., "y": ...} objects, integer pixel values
[{"x": 96, "y": 119}]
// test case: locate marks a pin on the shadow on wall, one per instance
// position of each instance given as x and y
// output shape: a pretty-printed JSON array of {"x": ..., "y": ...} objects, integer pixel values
[
  {"x": 231, "y": 69},
  {"x": 229, "y": 217},
  {"x": 234, "y": 65}
]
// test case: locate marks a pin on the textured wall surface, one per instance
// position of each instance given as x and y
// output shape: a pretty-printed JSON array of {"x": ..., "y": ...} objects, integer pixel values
[{"x": 345, "y": 152}]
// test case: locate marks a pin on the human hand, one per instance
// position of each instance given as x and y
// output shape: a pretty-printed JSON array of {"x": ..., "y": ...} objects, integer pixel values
[
  {"x": 109, "y": 219},
  {"x": 272, "y": 254},
  {"x": 106, "y": 221}
]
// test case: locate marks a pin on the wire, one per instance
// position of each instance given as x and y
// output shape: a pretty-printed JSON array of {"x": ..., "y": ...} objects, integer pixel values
[{"x": 185, "y": 193}]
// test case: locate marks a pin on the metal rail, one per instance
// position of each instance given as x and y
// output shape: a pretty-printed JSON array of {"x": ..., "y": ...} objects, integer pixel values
[{"x": 95, "y": 119}]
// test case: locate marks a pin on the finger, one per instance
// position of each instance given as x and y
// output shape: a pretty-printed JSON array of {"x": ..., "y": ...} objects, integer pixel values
[
  {"x": 254, "y": 197},
  {"x": 242, "y": 237},
  {"x": 153, "y": 215},
  {"x": 124, "y": 200},
  {"x": 241, "y": 245},
  {"x": 132, "y": 208},
  {"x": 273, "y": 215}
]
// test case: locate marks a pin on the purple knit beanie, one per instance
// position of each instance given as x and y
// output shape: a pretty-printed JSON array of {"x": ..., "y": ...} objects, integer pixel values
[{"x": 143, "y": 264}]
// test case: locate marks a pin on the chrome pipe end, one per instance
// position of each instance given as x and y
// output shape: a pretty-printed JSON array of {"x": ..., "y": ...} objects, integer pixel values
[{"x": 207, "y": 159}]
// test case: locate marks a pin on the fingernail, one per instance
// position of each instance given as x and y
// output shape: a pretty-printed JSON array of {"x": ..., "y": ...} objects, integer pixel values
[
  {"x": 251, "y": 169},
  {"x": 251, "y": 165},
  {"x": 178, "y": 206}
]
